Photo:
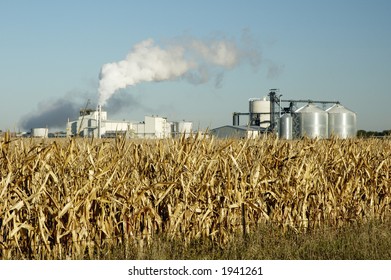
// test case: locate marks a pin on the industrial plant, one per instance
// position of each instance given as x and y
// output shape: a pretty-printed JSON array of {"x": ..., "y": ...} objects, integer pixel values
[
  {"x": 286, "y": 120},
  {"x": 94, "y": 123}
]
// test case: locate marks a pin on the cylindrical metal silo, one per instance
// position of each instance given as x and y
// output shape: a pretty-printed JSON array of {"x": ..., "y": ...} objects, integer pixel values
[
  {"x": 259, "y": 111},
  {"x": 342, "y": 122},
  {"x": 311, "y": 121},
  {"x": 286, "y": 127}
]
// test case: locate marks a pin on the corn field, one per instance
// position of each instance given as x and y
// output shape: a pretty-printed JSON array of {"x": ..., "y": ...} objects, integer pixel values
[{"x": 68, "y": 198}]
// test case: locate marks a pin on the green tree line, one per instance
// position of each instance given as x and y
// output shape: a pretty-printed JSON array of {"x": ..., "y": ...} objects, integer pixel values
[{"x": 367, "y": 134}]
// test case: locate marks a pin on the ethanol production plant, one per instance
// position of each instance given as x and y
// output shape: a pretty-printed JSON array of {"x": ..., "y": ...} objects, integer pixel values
[
  {"x": 271, "y": 114},
  {"x": 95, "y": 124}
]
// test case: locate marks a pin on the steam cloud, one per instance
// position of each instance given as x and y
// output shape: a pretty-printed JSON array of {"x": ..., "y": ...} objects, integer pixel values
[
  {"x": 191, "y": 59},
  {"x": 52, "y": 113}
]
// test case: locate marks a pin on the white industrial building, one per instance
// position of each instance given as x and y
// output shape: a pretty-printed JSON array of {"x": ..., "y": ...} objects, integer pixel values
[
  {"x": 39, "y": 132},
  {"x": 94, "y": 123},
  {"x": 152, "y": 127}
]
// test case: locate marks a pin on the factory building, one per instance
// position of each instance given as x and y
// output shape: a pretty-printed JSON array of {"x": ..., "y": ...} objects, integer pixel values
[
  {"x": 152, "y": 127},
  {"x": 94, "y": 123},
  {"x": 39, "y": 132},
  {"x": 87, "y": 125}
]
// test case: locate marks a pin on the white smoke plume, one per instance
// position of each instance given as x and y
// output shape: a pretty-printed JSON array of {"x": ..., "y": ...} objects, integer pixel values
[{"x": 190, "y": 59}]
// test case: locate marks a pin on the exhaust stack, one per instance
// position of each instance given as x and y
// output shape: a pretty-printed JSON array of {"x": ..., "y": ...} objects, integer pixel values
[{"x": 99, "y": 120}]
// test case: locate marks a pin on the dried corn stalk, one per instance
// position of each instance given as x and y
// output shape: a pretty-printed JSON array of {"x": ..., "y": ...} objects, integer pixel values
[{"x": 72, "y": 198}]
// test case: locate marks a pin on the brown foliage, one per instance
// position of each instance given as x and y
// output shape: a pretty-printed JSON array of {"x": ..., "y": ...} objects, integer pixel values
[{"x": 70, "y": 198}]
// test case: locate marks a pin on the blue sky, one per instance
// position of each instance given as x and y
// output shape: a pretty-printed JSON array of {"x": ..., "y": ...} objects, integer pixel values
[{"x": 51, "y": 53}]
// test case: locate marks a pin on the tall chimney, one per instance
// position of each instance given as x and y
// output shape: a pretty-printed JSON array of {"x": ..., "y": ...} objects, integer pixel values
[{"x": 99, "y": 120}]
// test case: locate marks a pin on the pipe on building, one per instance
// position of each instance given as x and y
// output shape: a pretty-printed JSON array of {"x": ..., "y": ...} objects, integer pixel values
[{"x": 99, "y": 120}]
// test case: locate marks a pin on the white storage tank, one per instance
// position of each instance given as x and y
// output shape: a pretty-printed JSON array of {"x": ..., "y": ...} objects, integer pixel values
[
  {"x": 259, "y": 112},
  {"x": 342, "y": 122},
  {"x": 311, "y": 121},
  {"x": 39, "y": 132},
  {"x": 286, "y": 127}
]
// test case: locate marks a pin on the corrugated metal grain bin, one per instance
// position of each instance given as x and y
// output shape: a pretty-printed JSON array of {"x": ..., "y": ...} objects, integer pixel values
[
  {"x": 311, "y": 121},
  {"x": 342, "y": 122}
]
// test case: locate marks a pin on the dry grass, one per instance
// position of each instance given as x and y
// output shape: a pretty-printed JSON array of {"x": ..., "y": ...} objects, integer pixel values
[{"x": 74, "y": 198}]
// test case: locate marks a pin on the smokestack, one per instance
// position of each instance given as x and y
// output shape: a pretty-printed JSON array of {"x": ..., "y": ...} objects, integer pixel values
[{"x": 99, "y": 120}]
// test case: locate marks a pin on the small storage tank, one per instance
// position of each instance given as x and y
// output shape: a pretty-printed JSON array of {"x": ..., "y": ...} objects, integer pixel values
[
  {"x": 259, "y": 110},
  {"x": 311, "y": 121},
  {"x": 235, "y": 119},
  {"x": 39, "y": 132},
  {"x": 342, "y": 122},
  {"x": 286, "y": 127}
]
